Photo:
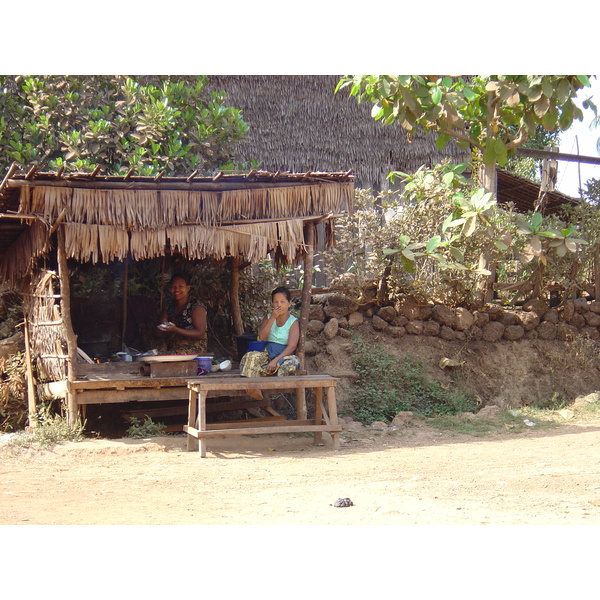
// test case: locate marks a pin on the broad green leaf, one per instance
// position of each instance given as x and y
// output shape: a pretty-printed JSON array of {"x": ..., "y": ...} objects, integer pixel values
[
  {"x": 561, "y": 250},
  {"x": 390, "y": 251},
  {"x": 407, "y": 264},
  {"x": 469, "y": 94},
  {"x": 433, "y": 243},
  {"x": 550, "y": 119},
  {"x": 535, "y": 245},
  {"x": 534, "y": 94},
  {"x": 563, "y": 89},
  {"x": 457, "y": 254},
  {"x": 456, "y": 222},
  {"x": 547, "y": 87},
  {"x": 456, "y": 267},
  {"x": 584, "y": 79},
  {"x": 571, "y": 244},
  {"x": 489, "y": 153},
  {"x": 441, "y": 141},
  {"x": 500, "y": 245},
  {"x": 376, "y": 112},
  {"x": 436, "y": 95},
  {"x": 536, "y": 221},
  {"x": 448, "y": 178},
  {"x": 541, "y": 106},
  {"x": 500, "y": 151},
  {"x": 482, "y": 272},
  {"x": 446, "y": 223},
  {"x": 406, "y": 253},
  {"x": 469, "y": 226},
  {"x": 447, "y": 82}
]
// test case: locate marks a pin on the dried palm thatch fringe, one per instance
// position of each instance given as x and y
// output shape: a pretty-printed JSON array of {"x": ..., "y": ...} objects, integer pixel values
[
  {"x": 106, "y": 224},
  {"x": 21, "y": 256},
  {"x": 139, "y": 209},
  {"x": 146, "y": 243},
  {"x": 114, "y": 242}
]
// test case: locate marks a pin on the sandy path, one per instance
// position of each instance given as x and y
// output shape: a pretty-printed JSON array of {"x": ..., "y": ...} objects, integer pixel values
[{"x": 400, "y": 478}]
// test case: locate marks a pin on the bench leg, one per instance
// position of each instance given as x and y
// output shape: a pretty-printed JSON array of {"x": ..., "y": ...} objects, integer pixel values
[
  {"x": 202, "y": 421},
  {"x": 318, "y": 435},
  {"x": 192, "y": 442},
  {"x": 300, "y": 404},
  {"x": 333, "y": 418}
]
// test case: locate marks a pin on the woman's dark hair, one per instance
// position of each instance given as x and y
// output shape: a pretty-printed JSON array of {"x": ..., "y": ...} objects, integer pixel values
[
  {"x": 281, "y": 290},
  {"x": 183, "y": 276}
]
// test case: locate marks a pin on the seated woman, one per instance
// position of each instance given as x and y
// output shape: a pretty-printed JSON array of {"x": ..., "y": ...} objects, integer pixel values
[
  {"x": 281, "y": 331},
  {"x": 183, "y": 321}
]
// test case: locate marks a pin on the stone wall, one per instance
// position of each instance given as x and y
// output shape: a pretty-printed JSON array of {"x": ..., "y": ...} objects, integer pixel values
[{"x": 335, "y": 314}]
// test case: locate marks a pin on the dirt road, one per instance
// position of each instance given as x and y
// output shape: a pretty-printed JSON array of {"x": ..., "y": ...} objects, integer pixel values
[{"x": 409, "y": 476}]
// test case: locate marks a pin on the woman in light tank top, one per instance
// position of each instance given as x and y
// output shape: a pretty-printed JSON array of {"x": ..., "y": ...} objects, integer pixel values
[{"x": 281, "y": 331}]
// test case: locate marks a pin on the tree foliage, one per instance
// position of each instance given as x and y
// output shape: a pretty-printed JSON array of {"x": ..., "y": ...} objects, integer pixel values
[
  {"x": 493, "y": 116},
  {"x": 428, "y": 240},
  {"x": 151, "y": 124},
  {"x": 493, "y": 113}
]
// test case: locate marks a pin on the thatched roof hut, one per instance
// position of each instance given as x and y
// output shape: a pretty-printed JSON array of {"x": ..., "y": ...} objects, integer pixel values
[
  {"x": 298, "y": 123},
  {"x": 47, "y": 218},
  {"x": 106, "y": 218}
]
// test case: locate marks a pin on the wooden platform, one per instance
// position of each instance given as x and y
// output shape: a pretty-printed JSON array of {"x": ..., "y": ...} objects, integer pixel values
[{"x": 325, "y": 419}]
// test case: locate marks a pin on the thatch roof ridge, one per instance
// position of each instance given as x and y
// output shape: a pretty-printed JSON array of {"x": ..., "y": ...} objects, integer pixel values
[
  {"x": 219, "y": 180},
  {"x": 298, "y": 123}
]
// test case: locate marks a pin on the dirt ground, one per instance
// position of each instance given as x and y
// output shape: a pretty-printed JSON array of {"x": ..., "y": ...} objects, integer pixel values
[{"x": 414, "y": 475}]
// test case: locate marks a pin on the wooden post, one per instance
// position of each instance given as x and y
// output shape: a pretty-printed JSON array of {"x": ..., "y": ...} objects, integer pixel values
[
  {"x": 65, "y": 309},
  {"x": 306, "y": 289},
  {"x": 162, "y": 283},
  {"x": 124, "y": 309},
  {"x": 234, "y": 296},
  {"x": 31, "y": 397}
]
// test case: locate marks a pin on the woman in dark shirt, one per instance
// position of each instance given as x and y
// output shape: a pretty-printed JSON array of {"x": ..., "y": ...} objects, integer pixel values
[{"x": 183, "y": 320}]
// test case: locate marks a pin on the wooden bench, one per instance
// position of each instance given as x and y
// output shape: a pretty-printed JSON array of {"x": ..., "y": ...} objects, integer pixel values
[{"x": 325, "y": 418}]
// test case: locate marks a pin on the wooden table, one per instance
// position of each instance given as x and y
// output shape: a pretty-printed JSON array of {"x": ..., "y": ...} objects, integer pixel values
[{"x": 325, "y": 419}]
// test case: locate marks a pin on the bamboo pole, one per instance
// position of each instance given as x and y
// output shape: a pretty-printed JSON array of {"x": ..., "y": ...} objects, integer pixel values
[
  {"x": 65, "y": 306},
  {"x": 234, "y": 296},
  {"x": 31, "y": 395},
  {"x": 306, "y": 290}
]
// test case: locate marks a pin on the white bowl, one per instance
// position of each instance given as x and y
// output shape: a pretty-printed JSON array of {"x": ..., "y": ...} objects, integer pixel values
[{"x": 225, "y": 365}]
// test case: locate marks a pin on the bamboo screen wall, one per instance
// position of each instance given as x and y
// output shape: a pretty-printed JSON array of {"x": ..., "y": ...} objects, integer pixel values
[{"x": 47, "y": 332}]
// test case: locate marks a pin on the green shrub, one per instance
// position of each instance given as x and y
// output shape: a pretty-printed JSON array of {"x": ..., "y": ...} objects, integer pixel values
[
  {"x": 388, "y": 385},
  {"x": 50, "y": 429},
  {"x": 146, "y": 429}
]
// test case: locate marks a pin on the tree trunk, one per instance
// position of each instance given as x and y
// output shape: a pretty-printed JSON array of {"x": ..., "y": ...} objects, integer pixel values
[{"x": 65, "y": 311}]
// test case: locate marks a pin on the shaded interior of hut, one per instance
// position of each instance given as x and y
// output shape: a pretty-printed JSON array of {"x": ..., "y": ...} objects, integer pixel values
[{"x": 115, "y": 308}]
